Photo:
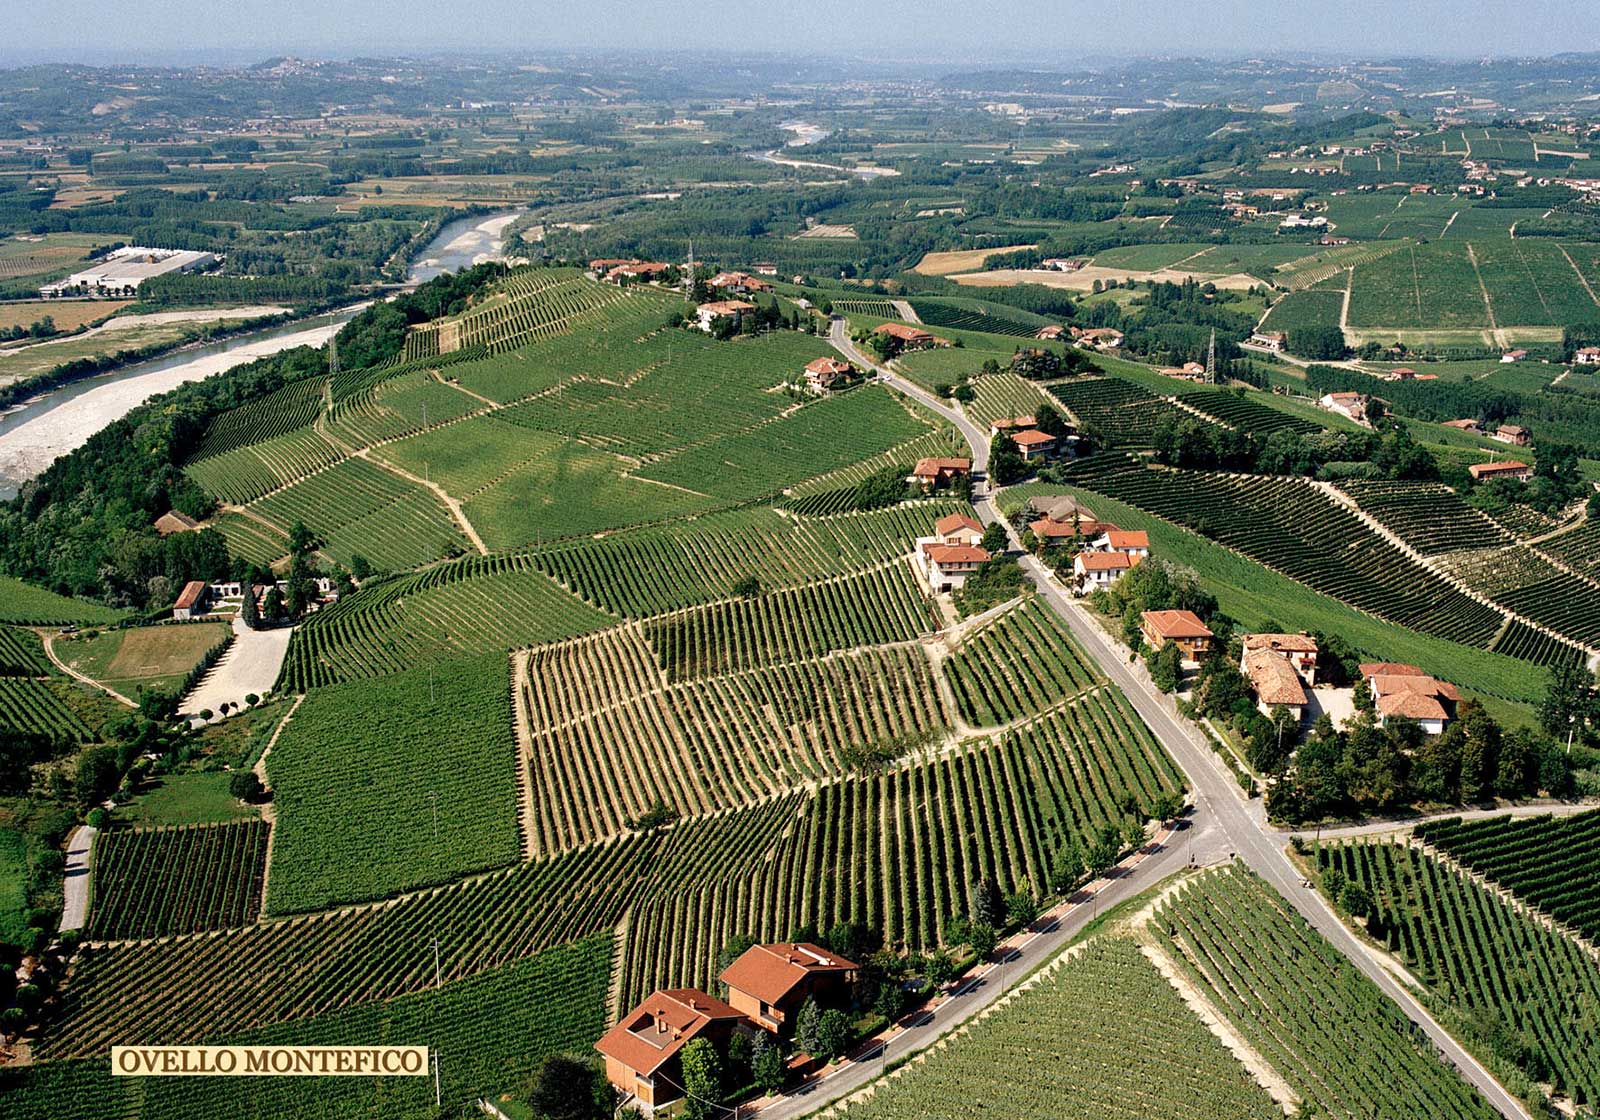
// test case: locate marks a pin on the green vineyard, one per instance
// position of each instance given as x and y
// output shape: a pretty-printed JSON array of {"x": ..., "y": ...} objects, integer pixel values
[
  {"x": 1491, "y": 963},
  {"x": 30, "y": 705},
  {"x": 155, "y": 882},
  {"x": 22, "y": 654},
  {"x": 1114, "y": 405},
  {"x": 610, "y": 737},
  {"x": 899, "y": 851},
  {"x": 1427, "y": 516},
  {"x": 1327, "y": 1029},
  {"x": 1019, "y": 664},
  {"x": 1288, "y": 525},
  {"x": 1137, "y": 1052},
  {"x": 295, "y": 405},
  {"x": 1545, "y": 861},
  {"x": 1241, "y": 410}
]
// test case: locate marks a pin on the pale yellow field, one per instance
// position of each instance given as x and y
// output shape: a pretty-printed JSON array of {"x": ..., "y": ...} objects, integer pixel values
[
  {"x": 69, "y": 314},
  {"x": 959, "y": 260},
  {"x": 1083, "y": 279}
]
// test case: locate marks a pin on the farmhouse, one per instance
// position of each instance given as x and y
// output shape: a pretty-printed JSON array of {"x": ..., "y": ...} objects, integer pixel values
[
  {"x": 1189, "y": 371},
  {"x": 1034, "y": 444},
  {"x": 1133, "y": 542},
  {"x": 637, "y": 270},
  {"x": 740, "y": 282},
  {"x": 1512, "y": 356},
  {"x": 1098, "y": 338},
  {"x": 1405, "y": 690},
  {"x": 1352, "y": 406},
  {"x": 911, "y": 338},
  {"x": 1299, "y": 651},
  {"x": 1053, "y": 333},
  {"x": 1588, "y": 356},
  {"x": 1011, "y": 424},
  {"x": 1510, "y": 468},
  {"x": 1274, "y": 681},
  {"x": 1060, "y": 507},
  {"x": 192, "y": 599},
  {"x": 1094, "y": 570},
  {"x": 770, "y": 983},
  {"x": 118, "y": 274},
  {"x": 825, "y": 374},
  {"x": 1463, "y": 425},
  {"x": 1183, "y": 628},
  {"x": 174, "y": 522},
  {"x": 643, "y": 1051},
  {"x": 1269, "y": 340},
  {"x": 947, "y": 566},
  {"x": 709, "y": 313},
  {"x": 931, "y": 474},
  {"x": 955, "y": 529},
  {"x": 1513, "y": 434}
]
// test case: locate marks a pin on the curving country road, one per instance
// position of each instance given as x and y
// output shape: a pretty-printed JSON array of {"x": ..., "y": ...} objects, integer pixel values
[{"x": 1220, "y": 808}]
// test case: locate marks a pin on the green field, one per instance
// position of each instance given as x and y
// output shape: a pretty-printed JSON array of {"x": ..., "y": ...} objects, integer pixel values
[
  {"x": 140, "y": 658},
  {"x": 356, "y": 797},
  {"x": 33, "y": 606}
]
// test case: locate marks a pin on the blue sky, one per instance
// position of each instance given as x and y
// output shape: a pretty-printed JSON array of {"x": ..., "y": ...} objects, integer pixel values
[{"x": 1060, "y": 32}]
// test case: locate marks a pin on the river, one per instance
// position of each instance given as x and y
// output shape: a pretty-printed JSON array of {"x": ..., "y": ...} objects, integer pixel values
[{"x": 52, "y": 424}]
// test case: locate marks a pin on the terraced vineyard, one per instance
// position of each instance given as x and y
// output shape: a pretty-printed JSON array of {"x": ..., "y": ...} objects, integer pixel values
[
  {"x": 610, "y": 737},
  {"x": 659, "y": 568},
  {"x": 1578, "y": 547},
  {"x": 295, "y": 405},
  {"x": 881, "y": 605},
  {"x": 1021, "y": 663},
  {"x": 550, "y": 1003},
  {"x": 879, "y": 308},
  {"x": 899, "y": 851},
  {"x": 1546, "y": 861},
  {"x": 309, "y": 966},
  {"x": 356, "y": 507},
  {"x": 156, "y": 882},
  {"x": 1522, "y": 641},
  {"x": 1492, "y": 964},
  {"x": 1427, "y": 516},
  {"x": 1238, "y": 408},
  {"x": 246, "y": 473},
  {"x": 29, "y": 705},
  {"x": 1289, "y": 525},
  {"x": 1526, "y": 582},
  {"x": 1003, "y": 395},
  {"x": 1137, "y": 1051},
  {"x": 529, "y": 304},
  {"x": 1125, "y": 410},
  {"x": 397, "y": 406},
  {"x": 22, "y": 654},
  {"x": 475, "y": 605},
  {"x": 1340, "y": 1043},
  {"x": 251, "y": 539}
]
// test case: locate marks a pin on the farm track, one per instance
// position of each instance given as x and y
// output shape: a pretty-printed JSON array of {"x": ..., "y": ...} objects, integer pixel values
[
  {"x": 47, "y": 640},
  {"x": 439, "y": 492},
  {"x": 1483, "y": 289},
  {"x": 269, "y": 812}
]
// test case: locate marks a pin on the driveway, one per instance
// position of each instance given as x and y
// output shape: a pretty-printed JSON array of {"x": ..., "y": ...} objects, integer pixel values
[
  {"x": 75, "y": 887},
  {"x": 250, "y": 665}
]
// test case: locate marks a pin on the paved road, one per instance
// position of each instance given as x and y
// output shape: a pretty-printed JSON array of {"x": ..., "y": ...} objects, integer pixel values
[
  {"x": 1219, "y": 803},
  {"x": 75, "y": 887}
]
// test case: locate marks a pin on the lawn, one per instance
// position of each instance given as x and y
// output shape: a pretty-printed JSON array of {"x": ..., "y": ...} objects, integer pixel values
[
  {"x": 154, "y": 657},
  {"x": 200, "y": 797}
]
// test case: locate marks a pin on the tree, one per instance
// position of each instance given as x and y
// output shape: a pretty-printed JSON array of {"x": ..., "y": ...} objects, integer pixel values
[
  {"x": 1104, "y": 851},
  {"x": 1355, "y": 900},
  {"x": 987, "y": 904},
  {"x": 939, "y": 968},
  {"x": 994, "y": 539},
  {"x": 766, "y": 1064},
  {"x": 360, "y": 566},
  {"x": 97, "y": 775},
  {"x": 1021, "y": 908},
  {"x": 1165, "y": 806},
  {"x": 563, "y": 1088},
  {"x": 1568, "y": 700},
  {"x": 1361, "y": 697},
  {"x": 833, "y": 1034},
  {"x": 748, "y": 588},
  {"x": 244, "y": 785},
  {"x": 702, "y": 1078},
  {"x": 1006, "y": 464},
  {"x": 982, "y": 938},
  {"x": 1166, "y": 667},
  {"x": 1068, "y": 866},
  {"x": 808, "y": 1027}
]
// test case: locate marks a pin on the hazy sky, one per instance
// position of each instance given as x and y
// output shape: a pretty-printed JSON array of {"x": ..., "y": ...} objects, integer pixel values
[{"x": 1058, "y": 32}]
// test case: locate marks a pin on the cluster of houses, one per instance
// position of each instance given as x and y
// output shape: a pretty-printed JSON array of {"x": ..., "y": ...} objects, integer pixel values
[
  {"x": 767, "y": 986},
  {"x": 1031, "y": 443},
  {"x": 1098, "y": 338},
  {"x": 1107, "y": 553},
  {"x": 620, "y": 270},
  {"x": 198, "y": 598},
  {"x": 1352, "y": 406},
  {"x": 826, "y": 375}
]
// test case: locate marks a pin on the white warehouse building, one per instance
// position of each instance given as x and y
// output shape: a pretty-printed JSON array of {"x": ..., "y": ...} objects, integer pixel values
[{"x": 119, "y": 273}]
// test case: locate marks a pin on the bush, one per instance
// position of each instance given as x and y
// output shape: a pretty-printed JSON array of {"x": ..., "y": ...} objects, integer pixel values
[
  {"x": 245, "y": 786},
  {"x": 97, "y": 818}
]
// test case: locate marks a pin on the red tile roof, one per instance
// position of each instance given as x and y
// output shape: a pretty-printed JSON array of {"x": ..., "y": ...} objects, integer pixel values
[
  {"x": 930, "y": 468},
  {"x": 1032, "y": 438},
  {"x": 1177, "y": 624},
  {"x": 903, "y": 332},
  {"x": 1274, "y": 680},
  {"x": 1416, "y": 705},
  {"x": 191, "y": 594},
  {"x": 1509, "y": 466},
  {"x": 942, "y": 554},
  {"x": 1281, "y": 643},
  {"x": 949, "y": 524},
  {"x": 771, "y": 972},
  {"x": 727, "y": 306},
  {"x": 662, "y": 1025},
  {"x": 829, "y": 365},
  {"x": 1127, "y": 538},
  {"x": 1390, "y": 669},
  {"x": 1108, "y": 561}
]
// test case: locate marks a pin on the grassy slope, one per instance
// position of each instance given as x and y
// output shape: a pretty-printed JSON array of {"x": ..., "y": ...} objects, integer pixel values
[{"x": 25, "y": 603}]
